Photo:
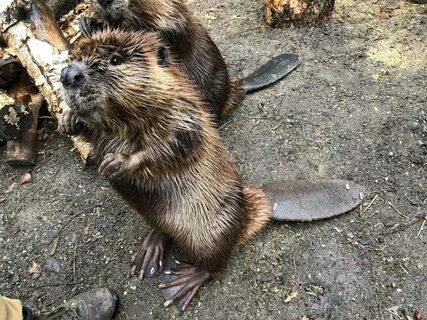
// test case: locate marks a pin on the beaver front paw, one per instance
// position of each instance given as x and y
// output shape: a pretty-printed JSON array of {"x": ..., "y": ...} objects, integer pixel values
[
  {"x": 114, "y": 166},
  {"x": 68, "y": 123}
]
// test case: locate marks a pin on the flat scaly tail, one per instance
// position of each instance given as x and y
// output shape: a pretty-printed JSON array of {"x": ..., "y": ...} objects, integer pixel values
[{"x": 271, "y": 72}]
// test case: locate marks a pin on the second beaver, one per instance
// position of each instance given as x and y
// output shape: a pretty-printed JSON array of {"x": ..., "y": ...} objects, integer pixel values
[
  {"x": 194, "y": 49},
  {"x": 155, "y": 142}
]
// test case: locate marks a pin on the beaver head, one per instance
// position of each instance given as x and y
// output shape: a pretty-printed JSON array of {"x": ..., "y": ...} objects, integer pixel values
[
  {"x": 115, "y": 76},
  {"x": 143, "y": 13}
]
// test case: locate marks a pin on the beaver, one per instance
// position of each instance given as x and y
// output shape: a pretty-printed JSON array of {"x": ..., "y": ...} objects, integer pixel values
[
  {"x": 189, "y": 41},
  {"x": 153, "y": 139}
]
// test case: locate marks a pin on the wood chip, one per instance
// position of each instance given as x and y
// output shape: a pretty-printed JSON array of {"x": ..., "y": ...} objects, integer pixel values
[
  {"x": 26, "y": 178},
  {"x": 291, "y": 296}
]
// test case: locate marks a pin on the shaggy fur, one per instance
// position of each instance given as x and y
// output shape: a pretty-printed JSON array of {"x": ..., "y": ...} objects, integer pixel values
[
  {"x": 173, "y": 168},
  {"x": 197, "y": 54}
]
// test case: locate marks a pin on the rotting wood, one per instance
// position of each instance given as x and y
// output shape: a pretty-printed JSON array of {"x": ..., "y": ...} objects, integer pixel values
[
  {"x": 15, "y": 117},
  {"x": 22, "y": 152},
  {"x": 296, "y": 13}
]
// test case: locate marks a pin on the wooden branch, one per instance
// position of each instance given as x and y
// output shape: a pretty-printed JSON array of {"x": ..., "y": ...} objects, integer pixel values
[
  {"x": 296, "y": 13},
  {"x": 22, "y": 152}
]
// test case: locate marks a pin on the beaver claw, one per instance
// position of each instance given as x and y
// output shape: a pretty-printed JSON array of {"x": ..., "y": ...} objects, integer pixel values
[
  {"x": 69, "y": 124},
  {"x": 149, "y": 258},
  {"x": 114, "y": 166}
]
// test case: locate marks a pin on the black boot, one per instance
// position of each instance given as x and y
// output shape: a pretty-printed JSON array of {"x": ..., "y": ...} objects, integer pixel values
[{"x": 95, "y": 304}]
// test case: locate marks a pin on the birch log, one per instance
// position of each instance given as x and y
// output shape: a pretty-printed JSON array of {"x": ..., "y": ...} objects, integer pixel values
[
  {"x": 42, "y": 49},
  {"x": 296, "y": 13},
  {"x": 42, "y": 55}
]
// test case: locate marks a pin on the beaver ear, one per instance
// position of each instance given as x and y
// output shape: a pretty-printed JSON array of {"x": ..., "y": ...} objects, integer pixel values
[{"x": 163, "y": 56}]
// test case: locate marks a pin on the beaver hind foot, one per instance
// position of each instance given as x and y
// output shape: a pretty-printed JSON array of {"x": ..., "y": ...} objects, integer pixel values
[
  {"x": 148, "y": 261},
  {"x": 181, "y": 284}
]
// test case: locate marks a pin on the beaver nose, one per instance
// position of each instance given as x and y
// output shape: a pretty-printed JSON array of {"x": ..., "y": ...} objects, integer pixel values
[
  {"x": 105, "y": 3},
  {"x": 72, "y": 76}
]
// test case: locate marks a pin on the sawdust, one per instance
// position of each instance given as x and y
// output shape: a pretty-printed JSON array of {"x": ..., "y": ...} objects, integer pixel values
[{"x": 396, "y": 45}]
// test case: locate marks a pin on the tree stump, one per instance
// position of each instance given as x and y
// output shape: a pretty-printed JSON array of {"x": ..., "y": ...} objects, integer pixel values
[{"x": 297, "y": 13}]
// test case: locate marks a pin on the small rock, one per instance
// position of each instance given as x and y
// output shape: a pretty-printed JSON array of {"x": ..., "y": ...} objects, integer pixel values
[
  {"x": 52, "y": 265},
  {"x": 389, "y": 222},
  {"x": 15, "y": 278}
]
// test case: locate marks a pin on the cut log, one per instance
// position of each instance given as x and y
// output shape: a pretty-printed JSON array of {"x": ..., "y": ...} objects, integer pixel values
[
  {"x": 297, "y": 13},
  {"x": 22, "y": 152},
  {"x": 15, "y": 118}
]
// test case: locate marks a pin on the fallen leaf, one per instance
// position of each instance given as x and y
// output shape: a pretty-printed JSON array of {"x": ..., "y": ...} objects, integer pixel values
[
  {"x": 291, "y": 296},
  {"x": 26, "y": 178},
  {"x": 11, "y": 186},
  {"x": 35, "y": 270},
  {"x": 417, "y": 315},
  {"x": 383, "y": 14},
  {"x": 376, "y": 76}
]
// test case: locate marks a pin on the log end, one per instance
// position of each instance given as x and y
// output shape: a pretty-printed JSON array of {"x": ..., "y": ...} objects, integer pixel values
[
  {"x": 15, "y": 119},
  {"x": 296, "y": 13}
]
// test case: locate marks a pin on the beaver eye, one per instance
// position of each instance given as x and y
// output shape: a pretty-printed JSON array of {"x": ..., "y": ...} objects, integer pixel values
[{"x": 116, "y": 60}]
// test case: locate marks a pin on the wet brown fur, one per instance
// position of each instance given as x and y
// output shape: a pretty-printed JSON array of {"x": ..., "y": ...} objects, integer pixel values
[
  {"x": 197, "y": 54},
  {"x": 182, "y": 181}
]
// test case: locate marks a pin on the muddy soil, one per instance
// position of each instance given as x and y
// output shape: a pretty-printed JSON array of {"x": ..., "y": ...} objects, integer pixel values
[{"x": 355, "y": 109}]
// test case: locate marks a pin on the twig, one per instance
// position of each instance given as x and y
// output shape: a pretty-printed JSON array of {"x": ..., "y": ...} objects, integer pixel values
[
  {"x": 74, "y": 263},
  {"x": 394, "y": 314},
  {"x": 421, "y": 228},
  {"x": 369, "y": 205},
  {"x": 64, "y": 225},
  {"x": 375, "y": 212},
  {"x": 55, "y": 246},
  {"x": 404, "y": 270},
  {"x": 57, "y": 284},
  {"x": 395, "y": 209},
  {"x": 222, "y": 126},
  {"x": 400, "y": 228}
]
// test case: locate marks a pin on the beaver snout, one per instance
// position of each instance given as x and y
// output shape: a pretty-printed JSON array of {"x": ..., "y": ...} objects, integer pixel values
[{"x": 72, "y": 76}]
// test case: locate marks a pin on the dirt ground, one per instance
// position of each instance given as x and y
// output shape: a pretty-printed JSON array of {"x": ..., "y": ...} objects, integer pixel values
[{"x": 355, "y": 109}]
